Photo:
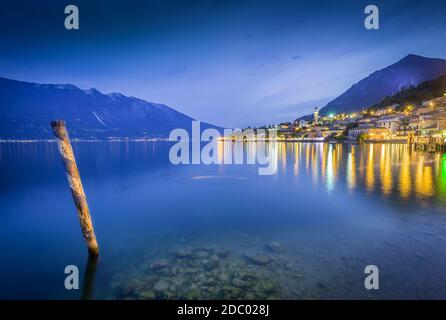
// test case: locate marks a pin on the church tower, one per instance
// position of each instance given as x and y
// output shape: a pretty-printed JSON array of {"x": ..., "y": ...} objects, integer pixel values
[{"x": 316, "y": 116}]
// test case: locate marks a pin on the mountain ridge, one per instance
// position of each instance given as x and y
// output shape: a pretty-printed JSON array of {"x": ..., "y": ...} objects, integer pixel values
[
  {"x": 26, "y": 108},
  {"x": 409, "y": 71}
]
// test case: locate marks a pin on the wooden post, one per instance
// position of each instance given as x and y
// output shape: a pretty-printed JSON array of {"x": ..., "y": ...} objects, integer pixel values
[
  {"x": 74, "y": 180},
  {"x": 89, "y": 277}
]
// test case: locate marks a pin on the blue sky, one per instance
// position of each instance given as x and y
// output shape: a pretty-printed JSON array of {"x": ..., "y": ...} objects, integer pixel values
[{"x": 231, "y": 63}]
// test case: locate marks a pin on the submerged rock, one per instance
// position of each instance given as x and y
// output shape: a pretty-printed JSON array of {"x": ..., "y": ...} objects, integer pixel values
[
  {"x": 160, "y": 264},
  {"x": 268, "y": 286},
  {"x": 289, "y": 266},
  {"x": 191, "y": 270},
  {"x": 147, "y": 295},
  {"x": 183, "y": 253},
  {"x": 275, "y": 246},
  {"x": 222, "y": 253},
  {"x": 192, "y": 294},
  {"x": 258, "y": 259},
  {"x": 250, "y": 296},
  {"x": 248, "y": 275},
  {"x": 202, "y": 273},
  {"x": 202, "y": 254},
  {"x": 240, "y": 283},
  {"x": 224, "y": 277},
  {"x": 161, "y": 285}
]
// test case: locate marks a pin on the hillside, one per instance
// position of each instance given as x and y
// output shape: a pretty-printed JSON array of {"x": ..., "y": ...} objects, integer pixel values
[{"x": 408, "y": 72}]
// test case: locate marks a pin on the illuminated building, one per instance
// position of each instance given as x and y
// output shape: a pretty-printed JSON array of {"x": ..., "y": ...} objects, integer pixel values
[{"x": 316, "y": 116}]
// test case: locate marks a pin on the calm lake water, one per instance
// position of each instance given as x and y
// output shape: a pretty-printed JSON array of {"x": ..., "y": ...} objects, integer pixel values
[{"x": 223, "y": 231}]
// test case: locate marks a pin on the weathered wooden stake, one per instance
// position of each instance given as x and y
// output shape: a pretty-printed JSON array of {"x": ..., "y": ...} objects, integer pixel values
[
  {"x": 74, "y": 180},
  {"x": 89, "y": 277}
]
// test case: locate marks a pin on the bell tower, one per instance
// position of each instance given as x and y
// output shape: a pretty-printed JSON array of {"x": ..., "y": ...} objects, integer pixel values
[{"x": 316, "y": 116}]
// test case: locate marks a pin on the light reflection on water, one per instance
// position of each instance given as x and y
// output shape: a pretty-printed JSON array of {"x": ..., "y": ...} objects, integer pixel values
[
  {"x": 393, "y": 170},
  {"x": 333, "y": 207}
]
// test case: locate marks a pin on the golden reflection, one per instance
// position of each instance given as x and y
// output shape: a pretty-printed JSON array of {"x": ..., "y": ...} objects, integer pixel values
[
  {"x": 405, "y": 180},
  {"x": 314, "y": 163},
  {"x": 370, "y": 171},
  {"x": 283, "y": 155},
  {"x": 386, "y": 171},
  {"x": 419, "y": 176},
  {"x": 335, "y": 162},
  {"x": 351, "y": 169},
  {"x": 340, "y": 153},
  {"x": 297, "y": 148},
  {"x": 405, "y": 174},
  {"x": 307, "y": 157},
  {"x": 423, "y": 179},
  {"x": 324, "y": 160},
  {"x": 220, "y": 151},
  {"x": 428, "y": 186},
  {"x": 361, "y": 163},
  {"x": 330, "y": 180}
]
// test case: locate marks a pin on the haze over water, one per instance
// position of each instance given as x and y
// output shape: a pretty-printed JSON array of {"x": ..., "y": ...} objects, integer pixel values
[{"x": 330, "y": 210}]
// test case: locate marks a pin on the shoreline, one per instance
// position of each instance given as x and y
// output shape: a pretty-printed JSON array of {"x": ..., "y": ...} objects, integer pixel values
[{"x": 167, "y": 140}]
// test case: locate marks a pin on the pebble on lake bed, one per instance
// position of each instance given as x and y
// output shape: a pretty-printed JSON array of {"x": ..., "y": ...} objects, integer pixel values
[
  {"x": 258, "y": 259},
  {"x": 201, "y": 273},
  {"x": 275, "y": 246}
]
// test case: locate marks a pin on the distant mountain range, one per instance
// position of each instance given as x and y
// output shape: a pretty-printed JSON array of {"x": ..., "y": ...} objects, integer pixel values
[
  {"x": 408, "y": 72},
  {"x": 26, "y": 110}
]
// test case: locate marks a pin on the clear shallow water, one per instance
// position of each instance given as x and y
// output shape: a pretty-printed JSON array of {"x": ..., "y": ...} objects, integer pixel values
[{"x": 223, "y": 231}]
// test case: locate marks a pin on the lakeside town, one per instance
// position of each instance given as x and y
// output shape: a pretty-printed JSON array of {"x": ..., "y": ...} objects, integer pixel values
[{"x": 423, "y": 124}]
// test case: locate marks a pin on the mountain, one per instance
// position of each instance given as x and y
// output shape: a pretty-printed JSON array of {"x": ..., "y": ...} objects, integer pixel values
[
  {"x": 26, "y": 110},
  {"x": 408, "y": 72}
]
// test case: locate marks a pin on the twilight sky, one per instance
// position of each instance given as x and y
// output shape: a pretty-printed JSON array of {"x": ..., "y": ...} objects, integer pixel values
[{"x": 231, "y": 63}]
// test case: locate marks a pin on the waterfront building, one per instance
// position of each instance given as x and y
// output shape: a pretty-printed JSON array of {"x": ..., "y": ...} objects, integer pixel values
[
  {"x": 373, "y": 133},
  {"x": 335, "y": 131},
  {"x": 300, "y": 123},
  {"x": 436, "y": 103},
  {"x": 286, "y": 126},
  {"x": 387, "y": 110},
  {"x": 424, "y": 109},
  {"x": 392, "y": 123}
]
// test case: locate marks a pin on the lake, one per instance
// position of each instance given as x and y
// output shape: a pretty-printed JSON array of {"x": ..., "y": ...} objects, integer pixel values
[{"x": 223, "y": 231}]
